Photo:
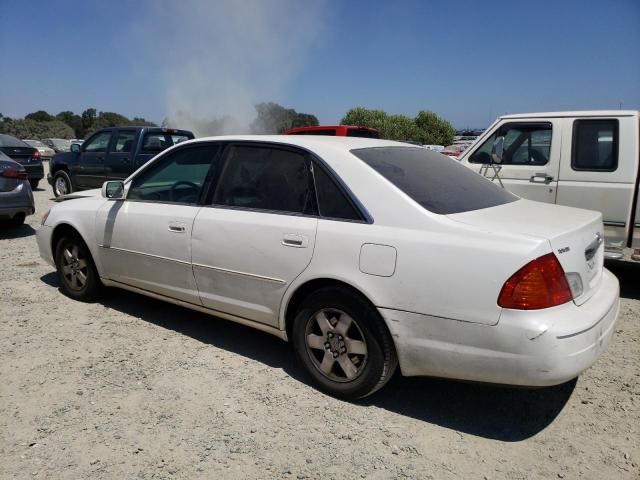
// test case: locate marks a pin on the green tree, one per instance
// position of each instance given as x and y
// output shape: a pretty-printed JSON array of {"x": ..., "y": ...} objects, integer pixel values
[
  {"x": 74, "y": 121},
  {"x": 39, "y": 116},
  {"x": 88, "y": 118},
  {"x": 37, "y": 130},
  {"x": 274, "y": 118},
  {"x": 434, "y": 129}
]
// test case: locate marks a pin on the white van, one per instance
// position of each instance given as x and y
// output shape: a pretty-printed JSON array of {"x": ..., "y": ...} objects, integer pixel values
[{"x": 584, "y": 159}]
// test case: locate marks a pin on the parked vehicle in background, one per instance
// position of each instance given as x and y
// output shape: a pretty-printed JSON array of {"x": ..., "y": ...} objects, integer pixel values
[
  {"x": 77, "y": 140},
  {"x": 109, "y": 154},
  {"x": 452, "y": 151},
  {"x": 584, "y": 159},
  {"x": 335, "y": 131},
  {"x": 363, "y": 253},
  {"x": 16, "y": 198},
  {"x": 45, "y": 152},
  {"x": 435, "y": 148},
  {"x": 25, "y": 155},
  {"x": 59, "y": 145}
]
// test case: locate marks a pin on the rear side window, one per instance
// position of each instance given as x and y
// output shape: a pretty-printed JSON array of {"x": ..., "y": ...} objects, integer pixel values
[
  {"x": 328, "y": 133},
  {"x": 154, "y": 142},
  {"x": 266, "y": 178},
  {"x": 124, "y": 141},
  {"x": 332, "y": 201},
  {"x": 595, "y": 145},
  {"x": 438, "y": 183}
]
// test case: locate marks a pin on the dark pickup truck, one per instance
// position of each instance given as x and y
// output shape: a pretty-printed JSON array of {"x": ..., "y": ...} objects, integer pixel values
[{"x": 109, "y": 154}]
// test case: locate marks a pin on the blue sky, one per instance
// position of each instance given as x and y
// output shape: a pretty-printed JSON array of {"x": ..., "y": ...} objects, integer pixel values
[{"x": 468, "y": 61}]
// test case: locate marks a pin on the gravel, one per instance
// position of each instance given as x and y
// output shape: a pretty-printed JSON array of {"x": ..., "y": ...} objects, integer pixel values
[{"x": 131, "y": 387}]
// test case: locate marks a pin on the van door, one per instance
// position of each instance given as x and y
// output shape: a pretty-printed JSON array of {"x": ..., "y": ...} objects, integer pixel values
[
  {"x": 531, "y": 157},
  {"x": 600, "y": 171}
]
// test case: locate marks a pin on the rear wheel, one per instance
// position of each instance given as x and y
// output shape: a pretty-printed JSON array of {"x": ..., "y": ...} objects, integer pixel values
[
  {"x": 61, "y": 183},
  {"x": 76, "y": 270},
  {"x": 34, "y": 184},
  {"x": 17, "y": 220},
  {"x": 343, "y": 343}
]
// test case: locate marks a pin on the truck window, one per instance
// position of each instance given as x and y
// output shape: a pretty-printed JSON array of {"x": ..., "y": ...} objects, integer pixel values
[
  {"x": 98, "y": 143},
  {"x": 124, "y": 141},
  {"x": 595, "y": 145},
  {"x": 155, "y": 142},
  {"x": 524, "y": 144}
]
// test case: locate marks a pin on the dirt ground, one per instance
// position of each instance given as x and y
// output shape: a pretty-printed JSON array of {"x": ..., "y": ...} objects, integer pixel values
[{"x": 131, "y": 387}]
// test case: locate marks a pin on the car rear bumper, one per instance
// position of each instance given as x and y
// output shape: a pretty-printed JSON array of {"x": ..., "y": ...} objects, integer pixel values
[
  {"x": 34, "y": 172},
  {"x": 528, "y": 348},
  {"x": 11, "y": 212},
  {"x": 43, "y": 238},
  {"x": 17, "y": 201}
]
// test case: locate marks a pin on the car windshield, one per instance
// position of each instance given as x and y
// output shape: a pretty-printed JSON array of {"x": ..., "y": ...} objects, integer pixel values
[
  {"x": 438, "y": 183},
  {"x": 9, "y": 141}
]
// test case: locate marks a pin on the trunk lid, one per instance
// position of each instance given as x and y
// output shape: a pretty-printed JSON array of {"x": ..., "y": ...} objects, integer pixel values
[
  {"x": 19, "y": 154},
  {"x": 575, "y": 236}
]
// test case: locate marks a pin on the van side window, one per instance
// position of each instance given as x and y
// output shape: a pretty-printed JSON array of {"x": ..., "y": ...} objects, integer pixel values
[
  {"x": 595, "y": 145},
  {"x": 524, "y": 144}
]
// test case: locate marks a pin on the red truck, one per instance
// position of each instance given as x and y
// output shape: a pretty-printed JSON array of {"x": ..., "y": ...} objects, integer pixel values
[{"x": 335, "y": 131}]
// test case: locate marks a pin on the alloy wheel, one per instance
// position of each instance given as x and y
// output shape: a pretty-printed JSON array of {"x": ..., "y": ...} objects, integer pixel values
[
  {"x": 74, "y": 268},
  {"x": 61, "y": 186},
  {"x": 336, "y": 345}
]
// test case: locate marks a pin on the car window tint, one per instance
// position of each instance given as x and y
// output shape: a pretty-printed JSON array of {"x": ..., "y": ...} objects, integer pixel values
[
  {"x": 332, "y": 202},
  {"x": 177, "y": 177},
  {"x": 124, "y": 141},
  {"x": 595, "y": 145},
  {"x": 9, "y": 141},
  {"x": 362, "y": 132},
  {"x": 327, "y": 133},
  {"x": 98, "y": 143},
  {"x": 438, "y": 183},
  {"x": 524, "y": 144},
  {"x": 266, "y": 178}
]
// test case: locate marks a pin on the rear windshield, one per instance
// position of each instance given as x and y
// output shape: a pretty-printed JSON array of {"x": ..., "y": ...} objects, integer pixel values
[
  {"x": 9, "y": 141},
  {"x": 362, "y": 132},
  {"x": 158, "y": 141},
  {"x": 438, "y": 183},
  {"x": 328, "y": 132}
]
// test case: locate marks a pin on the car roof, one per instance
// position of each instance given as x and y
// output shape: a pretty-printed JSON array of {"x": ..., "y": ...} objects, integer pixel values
[
  {"x": 577, "y": 113},
  {"x": 309, "y": 141}
]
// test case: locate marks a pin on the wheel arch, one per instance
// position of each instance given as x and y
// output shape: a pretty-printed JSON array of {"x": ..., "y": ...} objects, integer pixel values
[
  {"x": 60, "y": 231},
  {"x": 298, "y": 294}
]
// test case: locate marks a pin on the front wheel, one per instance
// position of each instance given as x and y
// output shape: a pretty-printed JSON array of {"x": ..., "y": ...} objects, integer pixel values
[
  {"x": 77, "y": 273},
  {"x": 342, "y": 342},
  {"x": 61, "y": 183}
]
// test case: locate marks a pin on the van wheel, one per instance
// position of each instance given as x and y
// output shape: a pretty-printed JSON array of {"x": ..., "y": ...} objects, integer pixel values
[
  {"x": 76, "y": 270},
  {"x": 343, "y": 343},
  {"x": 61, "y": 183}
]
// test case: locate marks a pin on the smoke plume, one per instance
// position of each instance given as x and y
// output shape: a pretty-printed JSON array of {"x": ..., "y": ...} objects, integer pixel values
[{"x": 220, "y": 58}]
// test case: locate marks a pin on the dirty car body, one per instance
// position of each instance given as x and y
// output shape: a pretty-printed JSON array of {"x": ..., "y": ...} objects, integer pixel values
[{"x": 364, "y": 253}]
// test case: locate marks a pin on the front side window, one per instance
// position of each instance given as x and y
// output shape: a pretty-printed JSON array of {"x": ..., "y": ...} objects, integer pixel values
[
  {"x": 524, "y": 144},
  {"x": 595, "y": 145},
  {"x": 177, "y": 178},
  {"x": 436, "y": 182},
  {"x": 98, "y": 143},
  {"x": 265, "y": 178},
  {"x": 124, "y": 141}
]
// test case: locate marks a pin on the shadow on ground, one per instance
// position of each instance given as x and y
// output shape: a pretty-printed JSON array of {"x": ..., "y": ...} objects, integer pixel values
[
  {"x": 500, "y": 413},
  {"x": 628, "y": 274},
  {"x": 8, "y": 232}
]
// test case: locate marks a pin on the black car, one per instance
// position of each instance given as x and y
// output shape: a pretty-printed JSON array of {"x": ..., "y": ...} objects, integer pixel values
[{"x": 25, "y": 155}]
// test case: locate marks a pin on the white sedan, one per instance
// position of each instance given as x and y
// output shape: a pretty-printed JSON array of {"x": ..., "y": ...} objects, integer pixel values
[{"x": 366, "y": 254}]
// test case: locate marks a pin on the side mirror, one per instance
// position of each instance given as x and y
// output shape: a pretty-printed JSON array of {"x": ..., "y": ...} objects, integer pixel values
[
  {"x": 113, "y": 190},
  {"x": 497, "y": 150},
  {"x": 75, "y": 147}
]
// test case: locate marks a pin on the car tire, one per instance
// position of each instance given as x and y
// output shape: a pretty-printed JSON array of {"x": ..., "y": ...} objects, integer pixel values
[
  {"x": 61, "y": 183},
  {"x": 34, "y": 184},
  {"x": 17, "y": 220},
  {"x": 77, "y": 273},
  {"x": 342, "y": 342}
]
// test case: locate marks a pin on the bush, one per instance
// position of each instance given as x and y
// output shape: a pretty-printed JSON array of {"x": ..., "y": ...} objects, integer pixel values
[{"x": 36, "y": 130}]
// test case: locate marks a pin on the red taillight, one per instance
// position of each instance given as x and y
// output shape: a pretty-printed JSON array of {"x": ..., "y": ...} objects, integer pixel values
[
  {"x": 10, "y": 173},
  {"x": 36, "y": 155},
  {"x": 541, "y": 283}
]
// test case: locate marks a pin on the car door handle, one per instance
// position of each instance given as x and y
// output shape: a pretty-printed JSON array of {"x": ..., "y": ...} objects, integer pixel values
[
  {"x": 176, "y": 228},
  {"x": 541, "y": 178},
  {"x": 296, "y": 241}
]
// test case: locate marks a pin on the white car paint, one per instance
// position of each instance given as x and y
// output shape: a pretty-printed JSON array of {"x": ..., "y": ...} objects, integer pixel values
[{"x": 434, "y": 278}]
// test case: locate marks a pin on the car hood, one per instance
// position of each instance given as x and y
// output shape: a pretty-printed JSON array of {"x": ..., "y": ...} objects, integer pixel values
[
  {"x": 96, "y": 192},
  {"x": 575, "y": 235}
]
